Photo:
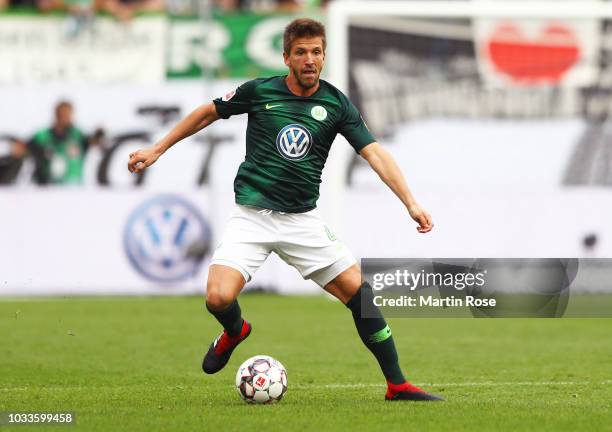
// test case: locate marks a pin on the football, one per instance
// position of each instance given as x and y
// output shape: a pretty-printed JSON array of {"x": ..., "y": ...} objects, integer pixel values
[{"x": 261, "y": 380}]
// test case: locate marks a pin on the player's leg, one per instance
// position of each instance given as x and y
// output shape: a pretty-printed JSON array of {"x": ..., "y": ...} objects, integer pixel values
[
  {"x": 318, "y": 255},
  {"x": 373, "y": 331},
  {"x": 224, "y": 285},
  {"x": 242, "y": 250},
  {"x": 222, "y": 289}
]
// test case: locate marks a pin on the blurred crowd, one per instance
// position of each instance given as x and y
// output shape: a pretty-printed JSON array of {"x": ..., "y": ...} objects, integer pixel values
[{"x": 125, "y": 9}]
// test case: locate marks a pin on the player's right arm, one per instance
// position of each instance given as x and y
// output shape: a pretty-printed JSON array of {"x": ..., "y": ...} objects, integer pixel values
[{"x": 199, "y": 118}]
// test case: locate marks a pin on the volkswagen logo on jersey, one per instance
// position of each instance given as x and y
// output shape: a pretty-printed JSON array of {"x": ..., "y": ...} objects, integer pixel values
[
  {"x": 293, "y": 142},
  {"x": 166, "y": 239}
]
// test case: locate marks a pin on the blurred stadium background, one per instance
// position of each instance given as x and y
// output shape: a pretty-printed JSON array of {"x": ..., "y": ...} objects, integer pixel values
[{"x": 497, "y": 111}]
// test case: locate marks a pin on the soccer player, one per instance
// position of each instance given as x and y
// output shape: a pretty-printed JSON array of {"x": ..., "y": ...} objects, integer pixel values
[
  {"x": 59, "y": 150},
  {"x": 292, "y": 123}
]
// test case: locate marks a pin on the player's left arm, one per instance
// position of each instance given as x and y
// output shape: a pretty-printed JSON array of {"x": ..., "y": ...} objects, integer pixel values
[{"x": 385, "y": 166}]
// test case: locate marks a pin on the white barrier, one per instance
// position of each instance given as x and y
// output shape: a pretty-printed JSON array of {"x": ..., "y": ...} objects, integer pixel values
[{"x": 75, "y": 241}]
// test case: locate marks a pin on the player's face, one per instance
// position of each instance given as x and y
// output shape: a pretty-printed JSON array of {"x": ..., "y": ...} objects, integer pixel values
[
  {"x": 305, "y": 61},
  {"x": 63, "y": 116}
]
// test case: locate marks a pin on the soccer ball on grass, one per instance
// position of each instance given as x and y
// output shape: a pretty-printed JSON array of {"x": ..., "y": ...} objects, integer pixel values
[{"x": 261, "y": 380}]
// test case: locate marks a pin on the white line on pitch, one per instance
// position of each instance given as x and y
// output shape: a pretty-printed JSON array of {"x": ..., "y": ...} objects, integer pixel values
[
  {"x": 464, "y": 384},
  {"x": 330, "y": 386}
]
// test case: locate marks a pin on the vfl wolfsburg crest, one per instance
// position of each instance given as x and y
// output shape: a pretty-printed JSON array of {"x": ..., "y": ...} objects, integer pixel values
[
  {"x": 318, "y": 113},
  {"x": 293, "y": 142}
]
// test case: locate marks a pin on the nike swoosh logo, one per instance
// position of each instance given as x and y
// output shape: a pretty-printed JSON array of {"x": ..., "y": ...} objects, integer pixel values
[{"x": 268, "y": 106}]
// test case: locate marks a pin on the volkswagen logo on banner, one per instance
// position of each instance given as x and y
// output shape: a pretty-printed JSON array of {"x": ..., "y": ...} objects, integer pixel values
[
  {"x": 166, "y": 239},
  {"x": 293, "y": 142}
]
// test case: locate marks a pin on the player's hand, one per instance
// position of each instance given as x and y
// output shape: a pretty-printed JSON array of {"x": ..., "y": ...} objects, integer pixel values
[
  {"x": 421, "y": 217},
  {"x": 142, "y": 159}
]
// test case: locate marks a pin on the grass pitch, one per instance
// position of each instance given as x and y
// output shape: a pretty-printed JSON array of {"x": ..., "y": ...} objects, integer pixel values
[{"x": 134, "y": 364}]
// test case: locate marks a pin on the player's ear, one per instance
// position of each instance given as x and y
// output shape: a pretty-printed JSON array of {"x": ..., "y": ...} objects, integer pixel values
[{"x": 286, "y": 58}]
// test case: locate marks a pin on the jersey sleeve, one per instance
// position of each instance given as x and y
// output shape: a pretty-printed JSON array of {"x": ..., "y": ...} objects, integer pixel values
[
  {"x": 237, "y": 101},
  {"x": 353, "y": 128}
]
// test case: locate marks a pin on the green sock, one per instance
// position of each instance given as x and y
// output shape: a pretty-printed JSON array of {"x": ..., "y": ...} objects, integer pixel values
[
  {"x": 230, "y": 318},
  {"x": 376, "y": 334}
]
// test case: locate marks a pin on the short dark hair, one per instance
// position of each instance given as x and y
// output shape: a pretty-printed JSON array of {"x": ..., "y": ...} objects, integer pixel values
[
  {"x": 302, "y": 27},
  {"x": 62, "y": 104}
]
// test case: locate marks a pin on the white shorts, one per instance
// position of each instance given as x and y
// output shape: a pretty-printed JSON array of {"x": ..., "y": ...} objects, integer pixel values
[{"x": 302, "y": 240}]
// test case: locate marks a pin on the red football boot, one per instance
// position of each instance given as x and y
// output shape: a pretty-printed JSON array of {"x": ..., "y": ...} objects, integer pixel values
[
  {"x": 407, "y": 391},
  {"x": 221, "y": 349}
]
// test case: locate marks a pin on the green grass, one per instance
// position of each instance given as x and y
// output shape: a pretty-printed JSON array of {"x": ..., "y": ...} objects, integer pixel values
[{"x": 134, "y": 364}]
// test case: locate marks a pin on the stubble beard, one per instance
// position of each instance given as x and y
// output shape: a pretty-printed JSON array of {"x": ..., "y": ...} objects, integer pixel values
[{"x": 306, "y": 85}]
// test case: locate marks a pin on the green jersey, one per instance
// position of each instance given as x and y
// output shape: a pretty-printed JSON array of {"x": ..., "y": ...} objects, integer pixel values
[
  {"x": 59, "y": 158},
  {"x": 288, "y": 138}
]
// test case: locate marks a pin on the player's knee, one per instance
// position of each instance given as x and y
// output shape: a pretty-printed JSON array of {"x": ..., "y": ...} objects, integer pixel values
[
  {"x": 346, "y": 284},
  {"x": 217, "y": 298}
]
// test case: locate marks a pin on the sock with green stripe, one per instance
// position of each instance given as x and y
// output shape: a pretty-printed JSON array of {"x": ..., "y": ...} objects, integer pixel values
[{"x": 375, "y": 333}]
